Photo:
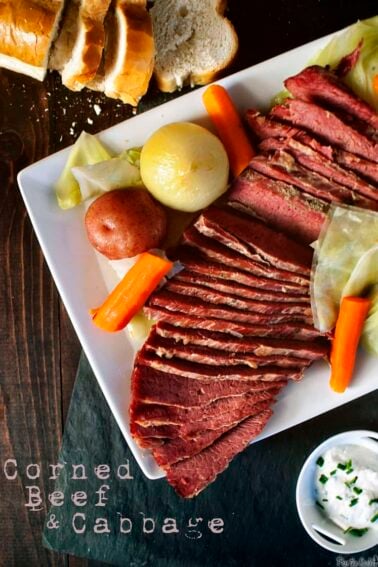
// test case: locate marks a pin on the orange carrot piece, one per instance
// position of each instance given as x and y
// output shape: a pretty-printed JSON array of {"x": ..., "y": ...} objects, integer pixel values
[
  {"x": 230, "y": 129},
  {"x": 375, "y": 84},
  {"x": 350, "y": 322},
  {"x": 129, "y": 296}
]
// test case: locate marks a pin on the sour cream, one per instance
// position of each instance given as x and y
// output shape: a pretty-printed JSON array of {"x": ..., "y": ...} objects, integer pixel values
[{"x": 347, "y": 486}]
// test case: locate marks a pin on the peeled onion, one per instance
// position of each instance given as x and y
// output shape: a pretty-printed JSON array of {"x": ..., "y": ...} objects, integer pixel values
[{"x": 184, "y": 166}]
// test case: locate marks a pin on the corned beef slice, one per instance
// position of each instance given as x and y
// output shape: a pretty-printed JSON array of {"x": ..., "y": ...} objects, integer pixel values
[
  {"x": 292, "y": 211},
  {"x": 288, "y": 329},
  {"x": 207, "y": 372},
  {"x": 190, "y": 476},
  {"x": 189, "y": 429},
  {"x": 194, "y": 263},
  {"x": 326, "y": 125},
  {"x": 220, "y": 253},
  {"x": 314, "y": 161},
  {"x": 157, "y": 387},
  {"x": 154, "y": 414},
  {"x": 283, "y": 167},
  {"x": 219, "y": 298},
  {"x": 265, "y": 127},
  {"x": 259, "y": 346},
  {"x": 233, "y": 287},
  {"x": 316, "y": 84},
  {"x": 271, "y": 245},
  {"x": 168, "y": 348},
  {"x": 194, "y": 306},
  {"x": 360, "y": 165}
]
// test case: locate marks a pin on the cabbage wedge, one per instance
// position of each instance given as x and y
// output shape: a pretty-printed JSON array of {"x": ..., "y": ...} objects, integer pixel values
[
  {"x": 361, "y": 77},
  {"x": 86, "y": 150},
  {"x": 346, "y": 263}
]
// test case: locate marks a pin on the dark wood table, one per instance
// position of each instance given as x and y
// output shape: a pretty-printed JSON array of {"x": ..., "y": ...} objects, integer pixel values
[{"x": 39, "y": 351}]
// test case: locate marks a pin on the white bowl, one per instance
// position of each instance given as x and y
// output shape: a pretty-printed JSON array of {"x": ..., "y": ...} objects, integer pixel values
[{"x": 316, "y": 524}]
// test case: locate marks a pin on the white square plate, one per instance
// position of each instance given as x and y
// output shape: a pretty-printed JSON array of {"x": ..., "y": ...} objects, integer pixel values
[{"x": 83, "y": 283}]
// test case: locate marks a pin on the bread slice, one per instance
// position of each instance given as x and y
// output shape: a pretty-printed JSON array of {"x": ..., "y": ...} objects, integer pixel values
[
  {"x": 27, "y": 30},
  {"x": 78, "y": 50},
  {"x": 194, "y": 42},
  {"x": 130, "y": 52}
]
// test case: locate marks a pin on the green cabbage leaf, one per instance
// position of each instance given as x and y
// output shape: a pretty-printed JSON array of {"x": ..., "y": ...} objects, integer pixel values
[
  {"x": 346, "y": 263},
  {"x": 360, "y": 78},
  {"x": 86, "y": 150}
]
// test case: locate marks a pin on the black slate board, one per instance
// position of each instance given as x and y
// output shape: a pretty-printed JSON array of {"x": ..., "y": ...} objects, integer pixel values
[{"x": 255, "y": 497}]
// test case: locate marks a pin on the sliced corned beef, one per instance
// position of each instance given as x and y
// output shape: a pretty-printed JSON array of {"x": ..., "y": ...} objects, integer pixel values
[
  {"x": 286, "y": 329},
  {"x": 315, "y": 161},
  {"x": 168, "y": 348},
  {"x": 188, "y": 477},
  {"x": 257, "y": 345},
  {"x": 362, "y": 166},
  {"x": 319, "y": 85},
  {"x": 155, "y": 414},
  {"x": 225, "y": 255},
  {"x": 281, "y": 205},
  {"x": 216, "y": 297},
  {"x": 193, "y": 262},
  {"x": 231, "y": 286},
  {"x": 326, "y": 125},
  {"x": 156, "y": 387},
  {"x": 265, "y": 127},
  {"x": 283, "y": 166},
  {"x": 273, "y": 246},
  {"x": 189, "y": 429},
  {"x": 194, "y": 306},
  {"x": 169, "y": 451},
  {"x": 207, "y": 372}
]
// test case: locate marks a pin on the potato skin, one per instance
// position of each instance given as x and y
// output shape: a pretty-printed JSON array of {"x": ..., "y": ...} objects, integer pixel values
[{"x": 125, "y": 222}]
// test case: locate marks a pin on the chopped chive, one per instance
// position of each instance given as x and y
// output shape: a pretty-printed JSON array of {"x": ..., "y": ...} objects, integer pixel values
[
  {"x": 324, "y": 499},
  {"x": 356, "y": 532},
  {"x": 373, "y": 501},
  {"x": 338, "y": 497},
  {"x": 320, "y": 462},
  {"x": 357, "y": 490},
  {"x": 323, "y": 478},
  {"x": 348, "y": 464},
  {"x": 333, "y": 472},
  {"x": 320, "y": 505},
  {"x": 349, "y": 483},
  {"x": 374, "y": 518},
  {"x": 353, "y": 502},
  {"x": 341, "y": 466},
  {"x": 349, "y": 471}
]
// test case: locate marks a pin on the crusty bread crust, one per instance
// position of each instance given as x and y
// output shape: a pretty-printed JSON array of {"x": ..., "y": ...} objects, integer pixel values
[
  {"x": 168, "y": 83},
  {"x": 87, "y": 50},
  {"x": 27, "y": 28},
  {"x": 129, "y": 70}
]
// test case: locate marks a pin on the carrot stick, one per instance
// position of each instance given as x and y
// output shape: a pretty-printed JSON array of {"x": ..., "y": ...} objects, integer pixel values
[
  {"x": 350, "y": 322},
  {"x": 230, "y": 129},
  {"x": 131, "y": 293},
  {"x": 375, "y": 84}
]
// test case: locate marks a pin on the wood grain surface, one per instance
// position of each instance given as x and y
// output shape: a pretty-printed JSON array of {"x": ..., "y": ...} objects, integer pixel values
[{"x": 39, "y": 351}]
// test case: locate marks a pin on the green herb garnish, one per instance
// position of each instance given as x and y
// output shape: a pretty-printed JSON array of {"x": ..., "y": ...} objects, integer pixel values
[
  {"x": 341, "y": 466},
  {"x": 333, "y": 472},
  {"x": 349, "y": 483},
  {"x": 356, "y": 531},
  {"x": 320, "y": 505},
  {"x": 353, "y": 502},
  {"x": 323, "y": 478},
  {"x": 373, "y": 501},
  {"x": 338, "y": 497},
  {"x": 374, "y": 518},
  {"x": 324, "y": 499},
  {"x": 357, "y": 490},
  {"x": 320, "y": 462}
]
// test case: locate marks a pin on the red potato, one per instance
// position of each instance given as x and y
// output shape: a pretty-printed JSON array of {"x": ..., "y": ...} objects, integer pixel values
[{"x": 124, "y": 223}]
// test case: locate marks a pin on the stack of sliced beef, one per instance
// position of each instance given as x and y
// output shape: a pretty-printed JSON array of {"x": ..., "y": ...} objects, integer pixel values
[
  {"x": 317, "y": 148},
  {"x": 232, "y": 328}
]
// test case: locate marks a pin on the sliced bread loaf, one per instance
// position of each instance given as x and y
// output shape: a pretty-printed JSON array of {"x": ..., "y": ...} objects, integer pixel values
[
  {"x": 78, "y": 50},
  {"x": 194, "y": 41},
  {"x": 27, "y": 30}
]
